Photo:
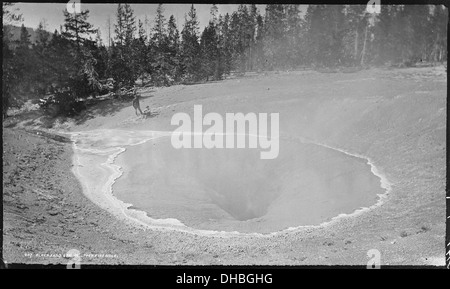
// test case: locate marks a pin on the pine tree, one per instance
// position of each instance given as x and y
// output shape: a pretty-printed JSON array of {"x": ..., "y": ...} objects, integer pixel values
[
  {"x": 294, "y": 35},
  {"x": 78, "y": 32},
  {"x": 173, "y": 49},
  {"x": 100, "y": 54},
  {"x": 160, "y": 29},
  {"x": 210, "y": 53},
  {"x": 236, "y": 43},
  {"x": 325, "y": 34},
  {"x": 24, "y": 40},
  {"x": 42, "y": 77},
  {"x": 242, "y": 34},
  {"x": 129, "y": 21},
  {"x": 77, "y": 28},
  {"x": 274, "y": 27},
  {"x": 253, "y": 27},
  {"x": 259, "y": 43},
  {"x": 42, "y": 35},
  {"x": 142, "y": 34},
  {"x": 161, "y": 70},
  {"x": 119, "y": 26},
  {"x": 60, "y": 63},
  {"x": 354, "y": 33},
  {"x": 214, "y": 15},
  {"x": 126, "y": 25},
  {"x": 123, "y": 62},
  {"x": 24, "y": 62},
  {"x": 190, "y": 47},
  {"x": 383, "y": 48},
  {"x": 142, "y": 54},
  {"x": 147, "y": 27},
  {"x": 226, "y": 47},
  {"x": 210, "y": 43}
]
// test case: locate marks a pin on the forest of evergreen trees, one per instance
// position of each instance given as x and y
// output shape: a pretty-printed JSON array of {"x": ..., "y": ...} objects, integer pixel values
[{"x": 74, "y": 62}]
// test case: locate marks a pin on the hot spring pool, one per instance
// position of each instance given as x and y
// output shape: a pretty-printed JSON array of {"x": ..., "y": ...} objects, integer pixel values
[{"x": 235, "y": 190}]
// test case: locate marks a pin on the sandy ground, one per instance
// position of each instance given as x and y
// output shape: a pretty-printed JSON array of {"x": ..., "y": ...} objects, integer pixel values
[{"x": 397, "y": 118}]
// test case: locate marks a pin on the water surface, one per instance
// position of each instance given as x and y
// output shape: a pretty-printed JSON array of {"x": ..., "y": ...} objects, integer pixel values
[{"x": 234, "y": 190}]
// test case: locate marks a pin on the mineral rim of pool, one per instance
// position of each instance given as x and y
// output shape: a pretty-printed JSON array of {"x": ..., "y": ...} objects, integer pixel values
[{"x": 233, "y": 189}]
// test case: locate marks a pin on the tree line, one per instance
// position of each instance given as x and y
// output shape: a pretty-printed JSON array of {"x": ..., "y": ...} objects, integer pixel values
[{"x": 73, "y": 62}]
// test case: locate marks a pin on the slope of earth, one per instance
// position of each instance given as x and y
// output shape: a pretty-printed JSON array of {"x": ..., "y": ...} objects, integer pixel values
[{"x": 397, "y": 118}]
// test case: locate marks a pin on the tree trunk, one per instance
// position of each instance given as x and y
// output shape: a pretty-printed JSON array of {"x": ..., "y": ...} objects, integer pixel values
[
  {"x": 77, "y": 34},
  {"x": 363, "y": 53},
  {"x": 356, "y": 44}
]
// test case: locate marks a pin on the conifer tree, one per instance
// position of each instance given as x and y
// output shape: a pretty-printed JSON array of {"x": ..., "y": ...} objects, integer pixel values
[
  {"x": 77, "y": 28},
  {"x": 173, "y": 49},
  {"x": 41, "y": 56},
  {"x": 161, "y": 70},
  {"x": 160, "y": 28},
  {"x": 259, "y": 43},
  {"x": 190, "y": 47},
  {"x": 293, "y": 35},
  {"x": 274, "y": 27},
  {"x": 210, "y": 53},
  {"x": 123, "y": 62},
  {"x": 326, "y": 32},
  {"x": 141, "y": 53},
  {"x": 226, "y": 46},
  {"x": 78, "y": 32},
  {"x": 24, "y": 62}
]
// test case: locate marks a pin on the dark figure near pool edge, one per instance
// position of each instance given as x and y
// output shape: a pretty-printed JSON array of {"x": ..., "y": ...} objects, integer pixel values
[{"x": 136, "y": 104}]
